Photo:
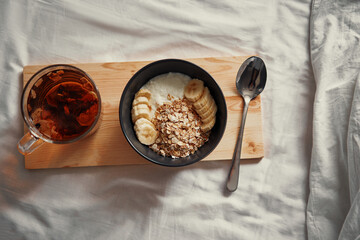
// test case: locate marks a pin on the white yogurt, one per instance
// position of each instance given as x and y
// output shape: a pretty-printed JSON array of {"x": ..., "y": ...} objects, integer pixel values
[{"x": 160, "y": 86}]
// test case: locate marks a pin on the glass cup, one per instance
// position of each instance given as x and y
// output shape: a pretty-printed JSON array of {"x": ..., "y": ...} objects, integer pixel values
[{"x": 60, "y": 104}]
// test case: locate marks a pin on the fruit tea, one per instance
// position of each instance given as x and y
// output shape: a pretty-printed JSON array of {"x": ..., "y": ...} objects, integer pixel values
[{"x": 63, "y": 105}]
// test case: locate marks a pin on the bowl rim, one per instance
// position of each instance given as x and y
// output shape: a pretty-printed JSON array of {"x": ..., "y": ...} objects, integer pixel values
[{"x": 127, "y": 86}]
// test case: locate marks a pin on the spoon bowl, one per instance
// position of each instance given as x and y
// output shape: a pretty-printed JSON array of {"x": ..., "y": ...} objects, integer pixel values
[
  {"x": 251, "y": 77},
  {"x": 250, "y": 82}
]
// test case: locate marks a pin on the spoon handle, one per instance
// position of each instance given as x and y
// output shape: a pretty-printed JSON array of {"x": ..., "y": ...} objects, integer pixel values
[{"x": 233, "y": 178}]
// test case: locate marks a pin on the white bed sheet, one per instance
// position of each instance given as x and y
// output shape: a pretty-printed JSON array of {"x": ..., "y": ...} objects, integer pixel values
[
  {"x": 334, "y": 201},
  {"x": 154, "y": 202}
]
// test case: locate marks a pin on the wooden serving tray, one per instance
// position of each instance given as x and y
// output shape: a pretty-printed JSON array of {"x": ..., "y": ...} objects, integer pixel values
[{"x": 108, "y": 145}]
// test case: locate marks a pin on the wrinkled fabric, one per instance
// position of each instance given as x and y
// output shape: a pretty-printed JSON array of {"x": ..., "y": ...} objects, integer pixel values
[
  {"x": 334, "y": 201},
  {"x": 150, "y": 201}
]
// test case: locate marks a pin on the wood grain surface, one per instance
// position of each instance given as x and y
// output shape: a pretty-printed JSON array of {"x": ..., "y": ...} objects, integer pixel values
[{"x": 108, "y": 145}]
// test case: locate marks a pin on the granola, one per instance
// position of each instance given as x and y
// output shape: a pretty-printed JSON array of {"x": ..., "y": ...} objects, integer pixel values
[{"x": 179, "y": 128}]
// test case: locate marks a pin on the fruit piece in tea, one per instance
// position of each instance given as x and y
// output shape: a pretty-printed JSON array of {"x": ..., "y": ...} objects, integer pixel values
[{"x": 65, "y": 105}]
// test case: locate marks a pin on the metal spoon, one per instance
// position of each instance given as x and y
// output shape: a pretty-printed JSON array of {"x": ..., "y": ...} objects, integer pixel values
[{"x": 250, "y": 82}]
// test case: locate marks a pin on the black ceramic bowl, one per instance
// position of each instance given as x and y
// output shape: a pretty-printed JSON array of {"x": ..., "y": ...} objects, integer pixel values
[{"x": 160, "y": 67}]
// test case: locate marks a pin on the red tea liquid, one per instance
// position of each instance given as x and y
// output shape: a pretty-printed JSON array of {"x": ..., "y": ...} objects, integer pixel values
[{"x": 63, "y": 105}]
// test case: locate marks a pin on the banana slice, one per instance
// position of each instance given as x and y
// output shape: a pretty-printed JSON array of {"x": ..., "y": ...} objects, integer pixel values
[
  {"x": 206, "y": 108},
  {"x": 211, "y": 112},
  {"x": 140, "y": 111},
  {"x": 207, "y": 126},
  {"x": 143, "y": 93},
  {"x": 141, "y": 100},
  {"x": 209, "y": 117},
  {"x": 145, "y": 131},
  {"x": 204, "y": 99},
  {"x": 194, "y": 90}
]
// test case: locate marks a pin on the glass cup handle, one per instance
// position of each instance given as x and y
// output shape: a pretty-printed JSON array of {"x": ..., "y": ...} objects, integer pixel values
[{"x": 28, "y": 143}]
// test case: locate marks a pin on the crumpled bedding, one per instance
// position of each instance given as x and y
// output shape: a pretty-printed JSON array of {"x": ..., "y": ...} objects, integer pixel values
[
  {"x": 306, "y": 186},
  {"x": 334, "y": 201}
]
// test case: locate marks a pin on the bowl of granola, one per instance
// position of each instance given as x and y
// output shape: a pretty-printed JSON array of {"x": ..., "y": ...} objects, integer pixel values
[{"x": 172, "y": 112}]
